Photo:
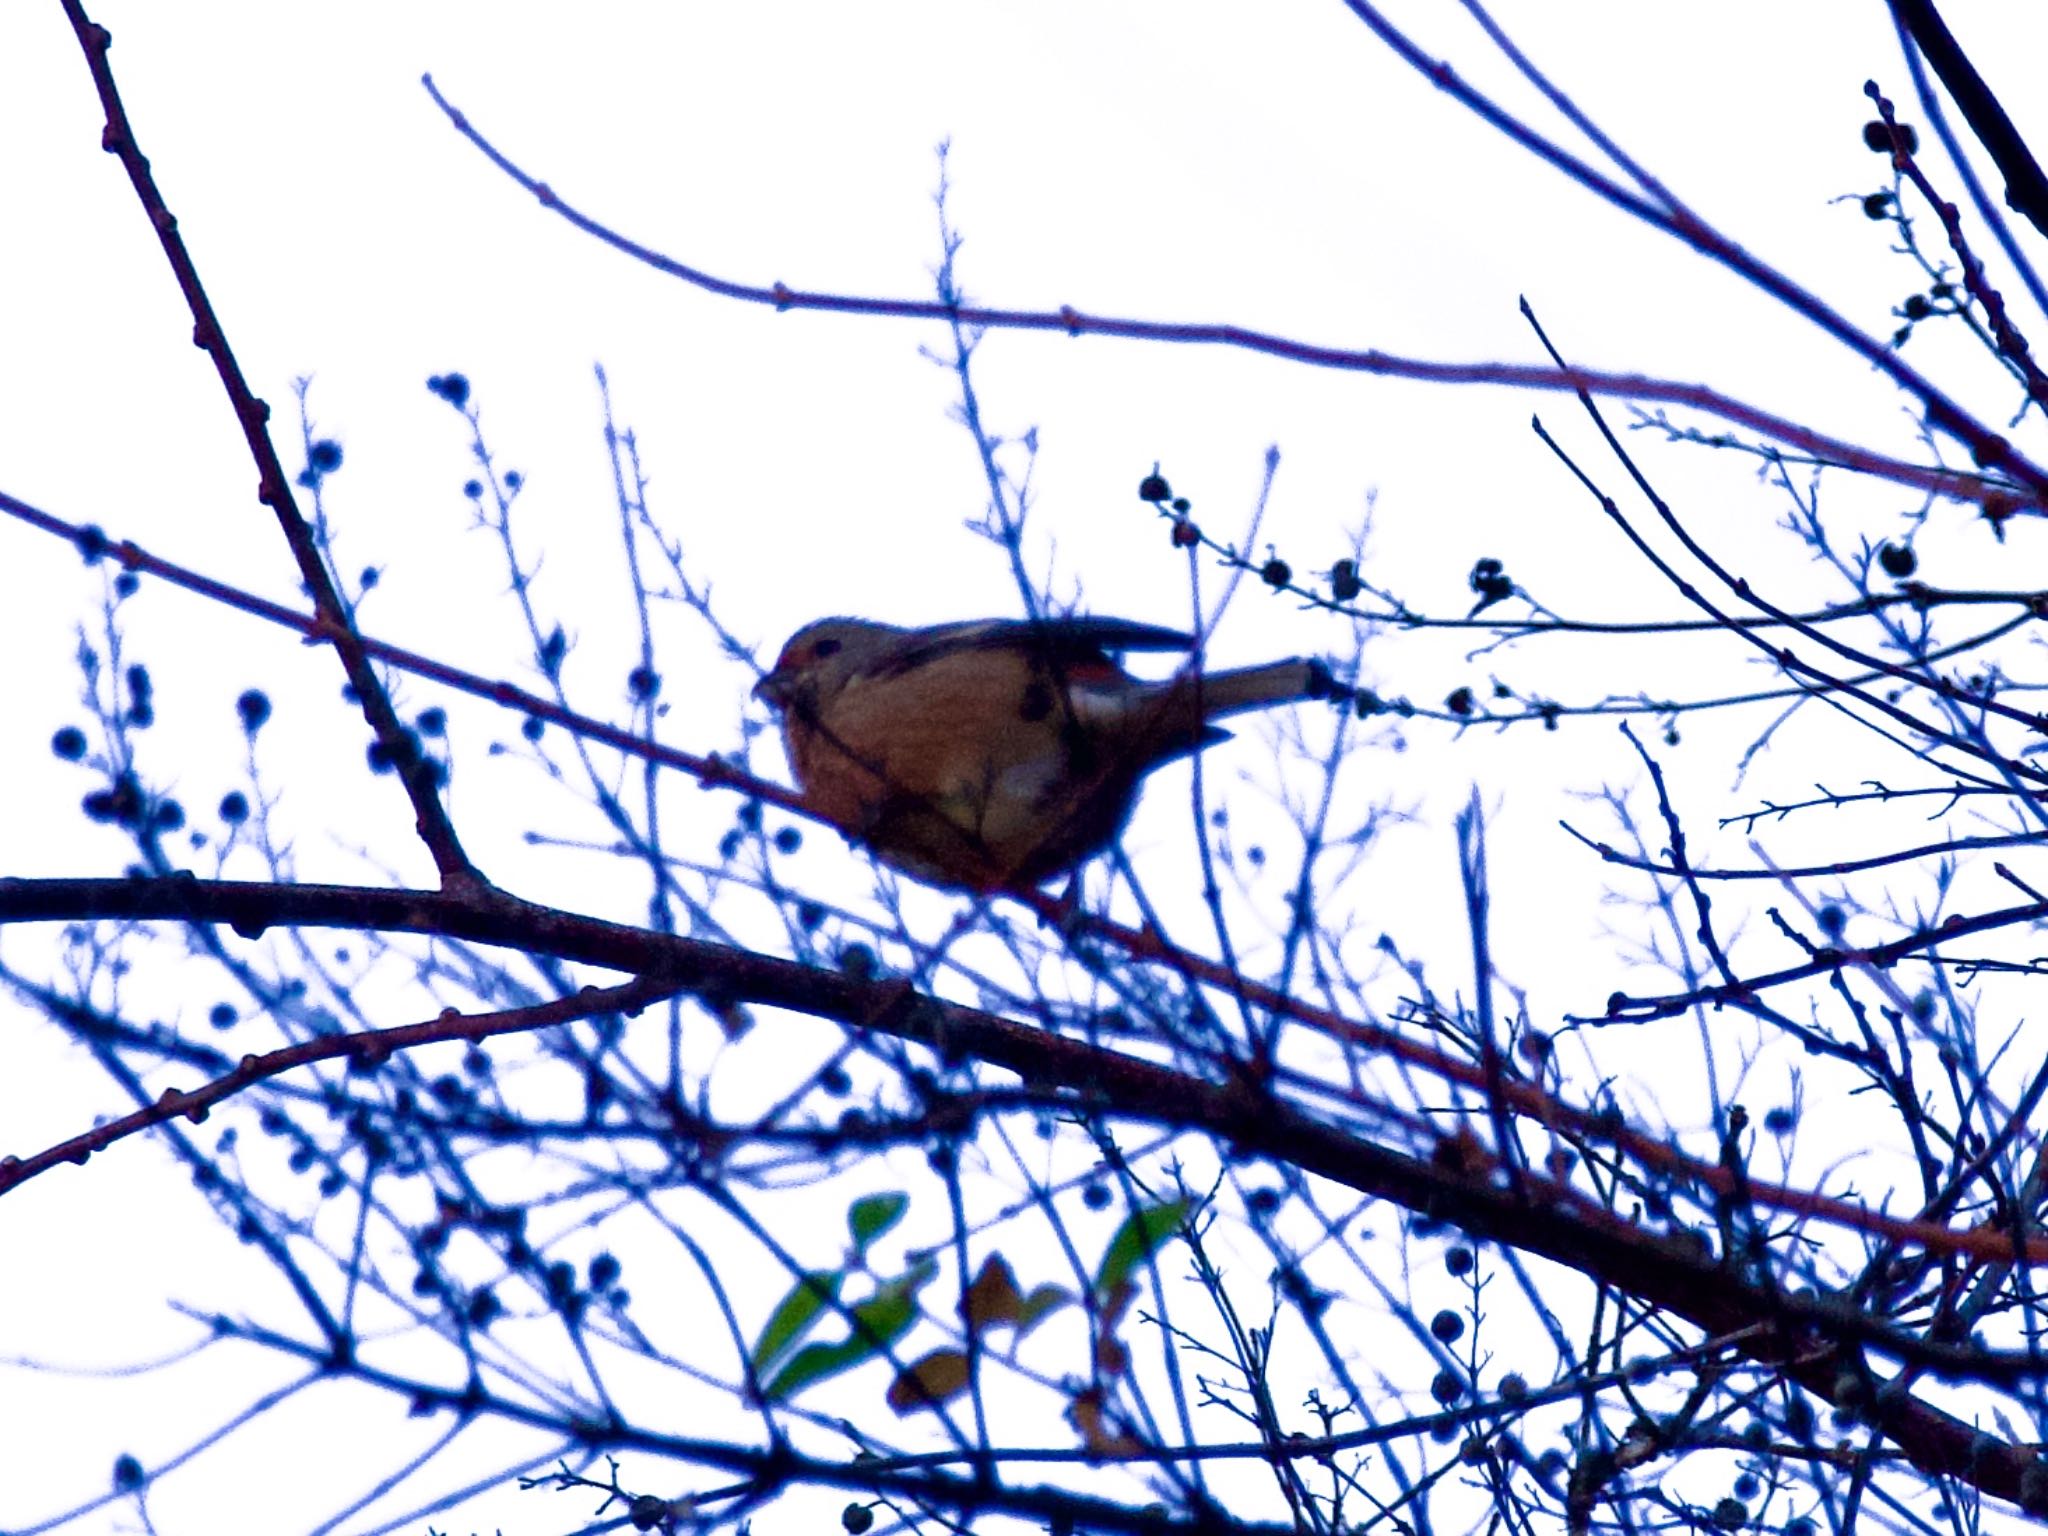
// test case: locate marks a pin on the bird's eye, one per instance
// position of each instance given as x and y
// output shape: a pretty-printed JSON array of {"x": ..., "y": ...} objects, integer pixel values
[{"x": 825, "y": 648}]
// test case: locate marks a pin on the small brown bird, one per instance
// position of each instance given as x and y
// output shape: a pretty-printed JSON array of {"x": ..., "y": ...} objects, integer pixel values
[{"x": 995, "y": 754}]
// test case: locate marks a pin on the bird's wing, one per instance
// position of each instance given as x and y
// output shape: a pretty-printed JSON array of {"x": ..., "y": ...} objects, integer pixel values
[
  {"x": 1107, "y": 634},
  {"x": 1073, "y": 640}
]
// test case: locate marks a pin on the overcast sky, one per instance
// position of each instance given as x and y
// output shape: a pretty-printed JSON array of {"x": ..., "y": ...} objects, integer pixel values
[{"x": 1268, "y": 164}]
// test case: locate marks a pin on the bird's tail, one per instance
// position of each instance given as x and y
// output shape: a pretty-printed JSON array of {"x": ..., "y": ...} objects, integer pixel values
[
  {"x": 1277, "y": 682},
  {"x": 1161, "y": 721}
]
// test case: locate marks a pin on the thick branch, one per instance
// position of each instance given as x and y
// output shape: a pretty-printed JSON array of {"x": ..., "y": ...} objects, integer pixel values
[
  {"x": 2026, "y": 187},
  {"x": 1811, "y": 1339}
]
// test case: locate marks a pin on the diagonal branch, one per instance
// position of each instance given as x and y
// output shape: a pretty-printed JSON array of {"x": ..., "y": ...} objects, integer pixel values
[
  {"x": 895, "y": 1007},
  {"x": 273, "y": 485},
  {"x": 1810, "y": 1338},
  {"x": 2026, "y": 187},
  {"x": 2029, "y": 485},
  {"x": 367, "y": 1046}
]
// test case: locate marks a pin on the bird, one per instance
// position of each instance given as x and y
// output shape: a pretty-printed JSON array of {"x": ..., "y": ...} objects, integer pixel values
[{"x": 993, "y": 755}]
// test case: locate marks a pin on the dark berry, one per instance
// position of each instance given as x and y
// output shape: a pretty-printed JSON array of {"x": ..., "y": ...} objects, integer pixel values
[
  {"x": 1491, "y": 581},
  {"x": 120, "y": 803}
]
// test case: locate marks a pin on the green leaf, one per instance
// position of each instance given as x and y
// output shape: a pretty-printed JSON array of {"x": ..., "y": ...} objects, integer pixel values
[
  {"x": 795, "y": 1316},
  {"x": 878, "y": 1323},
  {"x": 1046, "y": 1299},
  {"x": 872, "y": 1215},
  {"x": 815, "y": 1362},
  {"x": 1144, "y": 1232}
]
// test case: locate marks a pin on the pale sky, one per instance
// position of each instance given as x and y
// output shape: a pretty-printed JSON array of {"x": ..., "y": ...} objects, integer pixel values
[{"x": 1265, "y": 164}]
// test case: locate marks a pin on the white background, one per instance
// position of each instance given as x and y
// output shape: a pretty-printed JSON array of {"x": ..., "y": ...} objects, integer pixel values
[{"x": 1265, "y": 164}]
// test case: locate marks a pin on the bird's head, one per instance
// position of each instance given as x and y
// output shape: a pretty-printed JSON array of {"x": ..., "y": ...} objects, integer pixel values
[{"x": 819, "y": 659}]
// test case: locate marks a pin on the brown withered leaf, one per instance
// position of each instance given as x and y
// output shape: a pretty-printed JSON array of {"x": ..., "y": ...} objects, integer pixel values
[
  {"x": 1111, "y": 1358},
  {"x": 1102, "y": 1440},
  {"x": 994, "y": 1301},
  {"x": 927, "y": 1383},
  {"x": 1111, "y": 1310},
  {"x": 993, "y": 1298}
]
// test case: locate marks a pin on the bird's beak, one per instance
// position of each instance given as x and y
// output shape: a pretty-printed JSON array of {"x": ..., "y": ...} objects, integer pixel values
[{"x": 773, "y": 689}]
